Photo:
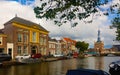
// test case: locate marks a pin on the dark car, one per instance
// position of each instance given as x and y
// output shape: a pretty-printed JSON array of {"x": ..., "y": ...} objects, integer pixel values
[
  {"x": 114, "y": 68},
  {"x": 5, "y": 57},
  {"x": 36, "y": 55}
]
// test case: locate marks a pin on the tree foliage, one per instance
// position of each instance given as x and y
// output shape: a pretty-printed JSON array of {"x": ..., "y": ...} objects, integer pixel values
[
  {"x": 116, "y": 24},
  {"x": 63, "y": 11},
  {"x": 81, "y": 46}
]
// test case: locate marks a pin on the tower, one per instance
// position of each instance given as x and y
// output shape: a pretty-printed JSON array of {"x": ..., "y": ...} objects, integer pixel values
[
  {"x": 99, "y": 45},
  {"x": 98, "y": 39}
]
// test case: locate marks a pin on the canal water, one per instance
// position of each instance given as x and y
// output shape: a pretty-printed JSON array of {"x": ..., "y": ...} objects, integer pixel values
[{"x": 59, "y": 67}]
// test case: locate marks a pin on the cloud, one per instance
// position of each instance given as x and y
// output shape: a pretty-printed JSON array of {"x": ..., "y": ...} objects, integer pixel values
[
  {"x": 8, "y": 9},
  {"x": 84, "y": 32}
]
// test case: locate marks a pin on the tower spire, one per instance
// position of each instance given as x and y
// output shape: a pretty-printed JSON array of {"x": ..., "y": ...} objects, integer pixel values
[{"x": 98, "y": 39}]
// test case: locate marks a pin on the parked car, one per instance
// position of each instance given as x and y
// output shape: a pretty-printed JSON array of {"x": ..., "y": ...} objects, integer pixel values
[
  {"x": 36, "y": 55},
  {"x": 58, "y": 55},
  {"x": 5, "y": 57},
  {"x": 25, "y": 56}
]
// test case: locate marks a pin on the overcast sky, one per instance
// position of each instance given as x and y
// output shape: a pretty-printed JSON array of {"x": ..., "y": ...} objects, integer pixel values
[{"x": 82, "y": 32}]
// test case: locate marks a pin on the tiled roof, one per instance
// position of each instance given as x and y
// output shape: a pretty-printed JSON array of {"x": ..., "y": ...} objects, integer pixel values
[
  {"x": 25, "y": 22},
  {"x": 69, "y": 40}
]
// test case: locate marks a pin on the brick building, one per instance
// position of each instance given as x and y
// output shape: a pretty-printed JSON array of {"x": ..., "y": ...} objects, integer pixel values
[
  {"x": 3, "y": 43},
  {"x": 25, "y": 37},
  {"x": 70, "y": 45}
]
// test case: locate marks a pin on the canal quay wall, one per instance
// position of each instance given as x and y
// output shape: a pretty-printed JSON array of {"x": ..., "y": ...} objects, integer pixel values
[{"x": 14, "y": 62}]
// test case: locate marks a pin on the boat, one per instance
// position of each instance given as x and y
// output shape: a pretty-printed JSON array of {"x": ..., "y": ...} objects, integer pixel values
[
  {"x": 114, "y": 68},
  {"x": 86, "y": 72},
  {"x": 110, "y": 55},
  {"x": 28, "y": 60}
]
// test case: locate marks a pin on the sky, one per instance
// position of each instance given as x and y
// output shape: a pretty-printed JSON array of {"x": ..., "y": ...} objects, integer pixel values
[{"x": 82, "y": 32}]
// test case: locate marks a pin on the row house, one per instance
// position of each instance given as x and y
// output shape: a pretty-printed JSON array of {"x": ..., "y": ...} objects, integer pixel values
[
  {"x": 63, "y": 46},
  {"x": 59, "y": 47},
  {"x": 25, "y": 37},
  {"x": 70, "y": 45},
  {"x": 56, "y": 47},
  {"x": 52, "y": 46}
]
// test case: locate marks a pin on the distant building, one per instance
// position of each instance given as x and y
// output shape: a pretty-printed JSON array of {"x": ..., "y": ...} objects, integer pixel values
[
  {"x": 63, "y": 46},
  {"x": 116, "y": 45},
  {"x": 52, "y": 46},
  {"x": 99, "y": 45},
  {"x": 70, "y": 45}
]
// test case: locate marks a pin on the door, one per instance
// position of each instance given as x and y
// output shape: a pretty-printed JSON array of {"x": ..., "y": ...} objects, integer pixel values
[
  {"x": 10, "y": 51},
  {"x": 33, "y": 50}
]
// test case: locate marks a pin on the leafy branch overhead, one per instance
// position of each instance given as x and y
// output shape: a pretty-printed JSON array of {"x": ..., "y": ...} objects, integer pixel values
[
  {"x": 63, "y": 11},
  {"x": 116, "y": 24}
]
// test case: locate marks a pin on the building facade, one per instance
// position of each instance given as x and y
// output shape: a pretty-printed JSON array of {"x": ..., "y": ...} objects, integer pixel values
[
  {"x": 26, "y": 37},
  {"x": 63, "y": 46},
  {"x": 52, "y": 46},
  {"x": 70, "y": 45},
  {"x": 3, "y": 43}
]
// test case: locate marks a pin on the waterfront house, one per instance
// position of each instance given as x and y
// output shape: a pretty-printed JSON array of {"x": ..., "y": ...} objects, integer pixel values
[
  {"x": 25, "y": 37},
  {"x": 70, "y": 45},
  {"x": 52, "y": 46},
  {"x": 3, "y": 43}
]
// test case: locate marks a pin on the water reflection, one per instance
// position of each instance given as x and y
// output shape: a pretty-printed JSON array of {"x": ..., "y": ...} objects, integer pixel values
[
  {"x": 99, "y": 63},
  {"x": 59, "y": 67}
]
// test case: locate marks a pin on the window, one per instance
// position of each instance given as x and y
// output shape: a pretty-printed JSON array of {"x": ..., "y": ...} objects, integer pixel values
[
  {"x": 25, "y": 50},
  {"x": 0, "y": 40},
  {"x": 25, "y": 37},
  {"x": 19, "y": 37},
  {"x": 19, "y": 50},
  {"x": 41, "y": 41},
  {"x": 39, "y": 51},
  {"x": 34, "y": 37},
  {"x": 44, "y": 41}
]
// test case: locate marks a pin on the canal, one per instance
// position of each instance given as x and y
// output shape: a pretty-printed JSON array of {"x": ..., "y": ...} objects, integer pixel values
[{"x": 59, "y": 67}]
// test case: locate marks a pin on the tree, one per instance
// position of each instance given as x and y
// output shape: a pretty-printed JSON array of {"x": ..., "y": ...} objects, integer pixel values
[
  {"x": 81, "y": 46},
  {"x": 63, "y": 11},
  {"x": 116, "y": 24}
]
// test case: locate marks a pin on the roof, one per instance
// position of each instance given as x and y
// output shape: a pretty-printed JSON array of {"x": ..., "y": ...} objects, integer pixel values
[
  {"x": 54, "y": 40},
  {"x": 69, "y": 40},
  {"x": 25, "y": 22},
  {"x": 1, "y": 31}
]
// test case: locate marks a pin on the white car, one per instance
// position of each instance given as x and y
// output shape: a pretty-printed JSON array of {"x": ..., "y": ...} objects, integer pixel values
[
  {"x": 57, "y": 55},
  {"x": 25, "y": 56}
]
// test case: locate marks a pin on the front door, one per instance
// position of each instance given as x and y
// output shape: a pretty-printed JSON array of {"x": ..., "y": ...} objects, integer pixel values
[
  {"x": 33, "y": 50},
  {"x": 10, "y": 51}
]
